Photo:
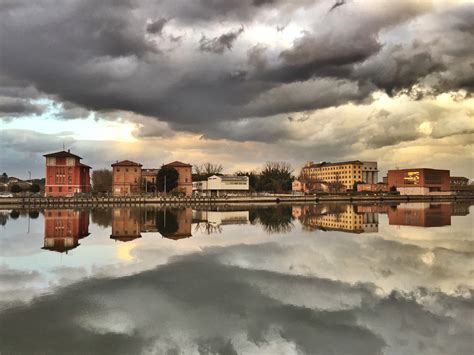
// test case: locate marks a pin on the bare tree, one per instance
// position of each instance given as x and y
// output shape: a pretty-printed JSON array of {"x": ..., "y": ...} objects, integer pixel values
[
  {"x": 205, "y": 170},
  {"x": 102, "y": 180}
]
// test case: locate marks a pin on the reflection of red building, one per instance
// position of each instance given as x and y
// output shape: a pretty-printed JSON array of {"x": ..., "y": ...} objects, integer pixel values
[
  {"x": 66, "y": 175},
  {"x": 125, "y": 224},
  {"x": 63, "y": 229},
  {"x": 420, "y": 214},
  {"x": 178, "y": 225}
]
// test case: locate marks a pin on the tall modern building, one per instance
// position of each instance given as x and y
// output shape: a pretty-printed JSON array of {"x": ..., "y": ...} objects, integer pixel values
[
  {"x": 126, "y": 178},
  {"x": 347, "y": 172},
  {"x": 66, "y": 175}
]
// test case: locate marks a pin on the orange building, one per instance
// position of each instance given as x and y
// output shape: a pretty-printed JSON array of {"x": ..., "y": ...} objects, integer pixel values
[
  {"x": 126, "y": 178},
  {"x": 185, "y": 181},
  {"x": 63, "y": 228},
  {"x": 66, "y": 175},
  {"x": 125, "y": 224}
]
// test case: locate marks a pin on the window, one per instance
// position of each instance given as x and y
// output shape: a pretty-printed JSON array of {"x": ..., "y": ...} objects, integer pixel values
[
  {"x": 50, "y": 189},
  {"x": 60, "y": 189},
  {"x": 126, "y": 169},
  {"x": 135, "y": 169}
]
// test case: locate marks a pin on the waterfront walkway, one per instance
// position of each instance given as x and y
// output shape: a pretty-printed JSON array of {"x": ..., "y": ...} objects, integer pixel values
[{"x": 30, "y": 202}]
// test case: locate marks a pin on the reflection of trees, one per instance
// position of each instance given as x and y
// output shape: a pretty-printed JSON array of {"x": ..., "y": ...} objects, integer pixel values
[
  {"x": 277, "y": 219},
  {"x": 14, "y": 214},
  {"x": 3, "y": 219},
  {"x": 167, "y": 222},
  {"x": 207, "y": 228},
  {"x": 102, "y": 216},
  {"x": 33, "y": 214}
]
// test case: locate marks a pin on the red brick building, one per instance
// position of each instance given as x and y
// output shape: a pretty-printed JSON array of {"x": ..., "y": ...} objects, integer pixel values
[
  {"x": 66, "y": 175},
  {"x": 63, "y": 228},
  {"x": 419, "y": 181},
  {"x": 185, "y": 180},
  {"x": 127, "y": 178}
]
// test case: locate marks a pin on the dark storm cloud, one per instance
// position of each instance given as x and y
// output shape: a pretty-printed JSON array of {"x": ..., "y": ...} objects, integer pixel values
[
  {"x": 15, "y": 107},
  {"x": 98, "y": 56},
  {"x": 203, "y": 304},
  {"x": 219, "y": 44},
  {"x": 156, "y": 27}
]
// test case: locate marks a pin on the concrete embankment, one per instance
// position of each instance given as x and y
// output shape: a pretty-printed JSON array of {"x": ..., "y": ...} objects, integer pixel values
[{"x": 30, "y": 202}]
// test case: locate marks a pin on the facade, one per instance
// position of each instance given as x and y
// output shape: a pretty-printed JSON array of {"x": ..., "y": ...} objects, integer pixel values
[
  {"x": 419, "y": 181},
  {"x": 126, "y": 178},
  {"x": 63, "y": 228},
  {"x": 218, "y": 185},
  {"x": 345, "y": 173},
  {"x": 185, "y": 180},
  {"x": 66, "y": 175},
  {"x": 347, "y": 220},
  {"x": 380, "y": 187},
  {"x": 149, "y": 179},
  {"x": 299, "y": 186},
  {"x": 125, "y": 225}
]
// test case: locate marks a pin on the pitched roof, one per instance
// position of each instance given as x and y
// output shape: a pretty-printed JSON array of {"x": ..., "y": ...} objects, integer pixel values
[
  {"x": 178, "y": 164},
  {"x": 62, "y": 154},
  {"x": 126, "y": 163},
  {"x": 84, "y": 165}
]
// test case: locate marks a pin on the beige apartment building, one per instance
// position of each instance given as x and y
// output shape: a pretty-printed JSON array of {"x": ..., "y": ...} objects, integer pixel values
[
  {"x": 126, "y": 178},
  {"x": 347, "y": 172}
]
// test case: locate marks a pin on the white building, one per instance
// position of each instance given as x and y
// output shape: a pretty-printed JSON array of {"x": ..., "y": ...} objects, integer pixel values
[{"x": 219, "y": 185}]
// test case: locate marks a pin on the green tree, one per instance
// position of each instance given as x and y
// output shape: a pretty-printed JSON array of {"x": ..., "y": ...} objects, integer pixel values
[
  {"x": 171, "y": 175},
  {"x": 167, "y": 222},
  {"x": 393, "y": 189},
  {"x": 354, "y": 187},
  {"x": 15, "y": 188},
  {"x": 275, "y": 177},
  {"x": 102, "y": 180},
  {"x": 35, "y": 188}
]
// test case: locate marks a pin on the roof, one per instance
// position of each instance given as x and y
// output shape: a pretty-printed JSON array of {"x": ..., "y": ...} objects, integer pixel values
[
  {"x": 318, "y": 165},
  {"x": 84, "y": 165},
  {"x": 62, "y": 154},
  {"x": 178, "y": 164},
  {"x": 126, "y": 163},
  {"x": 416, "y": 169},
  {"x": 459, "y": 177},
  {"x": 125, "y": 237}
]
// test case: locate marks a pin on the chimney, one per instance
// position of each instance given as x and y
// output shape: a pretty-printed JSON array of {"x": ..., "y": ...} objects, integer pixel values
[{"x": 69, "y": 150}]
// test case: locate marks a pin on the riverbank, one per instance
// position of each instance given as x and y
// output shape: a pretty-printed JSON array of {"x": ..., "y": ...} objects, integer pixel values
[{"x": 30, "y": 202}]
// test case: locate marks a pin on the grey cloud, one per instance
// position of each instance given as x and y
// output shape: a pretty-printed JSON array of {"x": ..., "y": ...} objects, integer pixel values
[
  {"x": 11, "y": 107},
  {"x": 219, "y": 44},
  {"x": 228, "y": 303},
  {"x": 156, "y": 27},
  {"x": 97, "y": 56}
]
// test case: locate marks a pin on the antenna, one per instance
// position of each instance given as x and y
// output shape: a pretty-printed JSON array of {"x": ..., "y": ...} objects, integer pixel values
[{"x": 64, "y": 146}]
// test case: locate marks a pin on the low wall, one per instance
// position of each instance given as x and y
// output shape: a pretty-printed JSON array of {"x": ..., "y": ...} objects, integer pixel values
[{"x": 138, "y": 200}]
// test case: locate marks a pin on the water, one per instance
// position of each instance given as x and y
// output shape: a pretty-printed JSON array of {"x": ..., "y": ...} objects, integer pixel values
[{"x": 286, "y": 279}]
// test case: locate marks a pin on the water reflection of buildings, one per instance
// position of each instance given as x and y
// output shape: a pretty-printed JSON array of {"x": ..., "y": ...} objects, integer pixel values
[
  {"x": 218, "y": 218},
  {"x": 125, "y": 224},
  {"x": 343, "y": 218},
  {"x": 63, "y": 228},
  {"x": 421, "y": 214}
]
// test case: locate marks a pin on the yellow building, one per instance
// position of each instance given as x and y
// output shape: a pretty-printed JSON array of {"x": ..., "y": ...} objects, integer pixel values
[
  {"x": 347, "y": 172},
  {"x": 345, "y": 221}
]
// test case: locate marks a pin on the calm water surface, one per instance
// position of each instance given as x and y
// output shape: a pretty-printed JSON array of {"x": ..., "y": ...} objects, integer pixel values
[{"x": 286, "y": 279}]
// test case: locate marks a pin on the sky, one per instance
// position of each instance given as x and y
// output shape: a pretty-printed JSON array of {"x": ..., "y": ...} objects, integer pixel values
[{"x": 237, "y": 82}]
